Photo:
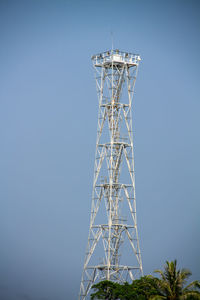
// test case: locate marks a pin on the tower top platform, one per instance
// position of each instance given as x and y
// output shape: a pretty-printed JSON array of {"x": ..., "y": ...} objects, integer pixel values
[{"x": 115, "y": 58}]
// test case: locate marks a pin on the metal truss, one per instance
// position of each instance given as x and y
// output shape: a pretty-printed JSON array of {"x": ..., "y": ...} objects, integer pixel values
[{"x": 113, "y": 251}]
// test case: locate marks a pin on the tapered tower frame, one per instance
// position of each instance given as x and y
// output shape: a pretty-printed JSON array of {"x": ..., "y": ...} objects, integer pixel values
[{"x": 113, "y": 251}]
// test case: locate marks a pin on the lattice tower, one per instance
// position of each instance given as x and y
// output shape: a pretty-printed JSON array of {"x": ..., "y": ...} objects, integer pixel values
[{"x": 113, "y": 251}]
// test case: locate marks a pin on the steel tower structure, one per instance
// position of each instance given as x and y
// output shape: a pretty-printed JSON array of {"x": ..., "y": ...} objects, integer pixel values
[{"x": 113, "y": 251}]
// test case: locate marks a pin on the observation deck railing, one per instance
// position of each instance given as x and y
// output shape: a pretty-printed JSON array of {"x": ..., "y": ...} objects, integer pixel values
[{"x": 115, "y": 57}]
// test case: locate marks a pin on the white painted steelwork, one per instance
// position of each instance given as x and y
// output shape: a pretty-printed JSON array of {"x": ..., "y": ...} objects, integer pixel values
[{"x": 113, "y": 251}]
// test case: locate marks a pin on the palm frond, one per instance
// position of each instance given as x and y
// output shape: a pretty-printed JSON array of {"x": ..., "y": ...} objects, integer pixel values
[
  {"x": 161, "y": 273},
  {"x": 187, "y": 295}
]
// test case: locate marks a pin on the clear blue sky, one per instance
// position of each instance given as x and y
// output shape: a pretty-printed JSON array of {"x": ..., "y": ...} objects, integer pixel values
[{"x": 48, "y": 118}]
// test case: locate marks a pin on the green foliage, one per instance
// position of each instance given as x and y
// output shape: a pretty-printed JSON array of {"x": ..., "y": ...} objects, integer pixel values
[
  {"x": 170, "y": 286},
  {"x": 140, "y": 289},
  {"x": 145, "y": 286},
  {"x": 104, "y": 290}
]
